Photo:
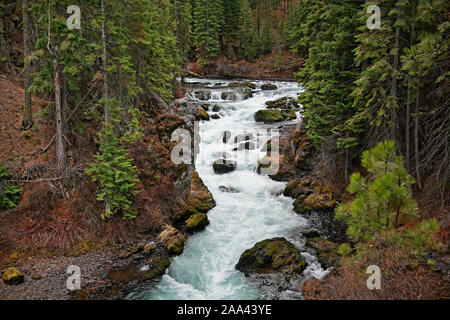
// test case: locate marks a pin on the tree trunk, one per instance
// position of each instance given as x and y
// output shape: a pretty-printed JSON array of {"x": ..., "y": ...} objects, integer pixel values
[
  {"x": 105, "y": 73},
  {"x": 394, "y": 84},
  {"x": 59, "y": 140},
  {"x": 416, "y": 141},
  {"x": 27, "y": 121}
]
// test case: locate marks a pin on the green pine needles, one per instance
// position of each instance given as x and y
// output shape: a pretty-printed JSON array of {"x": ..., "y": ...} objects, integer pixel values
[
  {"x": 383, "y": 199},
  {"x": 116, "y": 176},
  {"x": 9, "y": 193}
]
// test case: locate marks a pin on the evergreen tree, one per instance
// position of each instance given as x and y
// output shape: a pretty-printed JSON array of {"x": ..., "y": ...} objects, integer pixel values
[
  {"x": 248, "y": 38},
  {"x": 116, "y": 176},
  {"x": 329, "y": 73},
  {"x": 231, "y": 14},
  {"x": 383, "y": 199},
  {"x": 208, "y": 20}
]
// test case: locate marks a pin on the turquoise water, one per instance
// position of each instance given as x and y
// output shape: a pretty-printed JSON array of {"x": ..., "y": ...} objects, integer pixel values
[{"x": 256, "y": 212}]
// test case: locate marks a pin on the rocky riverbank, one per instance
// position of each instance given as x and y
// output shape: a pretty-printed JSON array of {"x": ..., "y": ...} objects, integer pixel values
[{"x": 172, "y": 204}]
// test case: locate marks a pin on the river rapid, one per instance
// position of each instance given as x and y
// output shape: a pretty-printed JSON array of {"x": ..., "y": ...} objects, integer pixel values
[{"x": 256, "y": 209}]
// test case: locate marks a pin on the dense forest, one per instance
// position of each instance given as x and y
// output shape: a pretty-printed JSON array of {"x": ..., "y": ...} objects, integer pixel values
[{"x": 96, "y": 97}]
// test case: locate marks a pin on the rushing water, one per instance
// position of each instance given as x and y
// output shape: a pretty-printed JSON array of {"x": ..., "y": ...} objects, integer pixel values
[{"x": 256, "y": 211}]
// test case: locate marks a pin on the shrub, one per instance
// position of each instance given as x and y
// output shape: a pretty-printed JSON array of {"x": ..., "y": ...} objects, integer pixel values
[{"x": 9, "y": 193}]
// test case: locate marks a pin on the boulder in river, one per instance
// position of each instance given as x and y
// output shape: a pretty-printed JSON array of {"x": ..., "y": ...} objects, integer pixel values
[
  {"x": 216, "y": 108},
  {"x": 242, "y": 84},
  {"x": 203, "y": 114},
  {"x": 222, "y": 166},
  {"x": 272, "y": 255},
  {"x": 215, "y": 117},
  {"x": 173, "y": 240},
  {"x": 197, "y": 222},
  {"x": 327, "y": 251},
  {"x": 289, "y": 114},
  {"x": 283, "y": 103},
  {"x": 268, "y": 87},
  {"x": 269, "y": 116},
  {"x": 226, "y": 136},
  {"x": 310, "y": 195},
  {"x": 13, "y": 276}
]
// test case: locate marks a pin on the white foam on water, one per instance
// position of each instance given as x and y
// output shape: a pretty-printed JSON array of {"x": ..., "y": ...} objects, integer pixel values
[{"x": 206, "y": 269}]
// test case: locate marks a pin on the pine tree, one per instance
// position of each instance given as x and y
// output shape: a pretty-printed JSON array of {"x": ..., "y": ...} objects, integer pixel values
[
  {"x": 208, "y": 20},
  {"x": 329, "y": 73},
  {"x": 231, "y": 13},
  {"x": 248, "y": 38},
  {"x": 116, "y": 176},
  {"x": 383, "y": 199}
]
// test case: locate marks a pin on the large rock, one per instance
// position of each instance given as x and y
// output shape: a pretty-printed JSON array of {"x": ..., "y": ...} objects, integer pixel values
[
  {"x": 326, "y": 251},
  {"x": 242, "y": 85},
  {"x": 13, "y": 276},
  {"x": 197, "y": 222},
  {"x": 222, "y": 166},
  {"x": 268, "y": 87},
  {"x": 269, "y": 116},
  {"x": 203, "y": 114},
  {"x": 275, "y": 115},
  {"x": 283, "y": 103},
  {"x": 310, "y": 195},
  {"x": 273, "y": 255},
  {"x": 173, "y": 240},
  {"x": 200, "y": 199}
]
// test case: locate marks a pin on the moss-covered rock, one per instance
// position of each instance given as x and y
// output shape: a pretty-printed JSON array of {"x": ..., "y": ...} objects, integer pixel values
[
  {"x": 322, "y": 200},
  {"x": 157, "y": 268},
  {"x": 242, "y": 85},
  {"x": 197, "y": 222},
  {"x": 310, "y": 195},
  {"x": 268, "y": 116},
  {"x": 200, "y": 199},
  {"x": 268, "y": 87},
  {"x": 13, "y": 276},
  {"x": 289, "y": 114},
  {"x": 327, "y": 251},
  {"x": 173, "y": 240},
  {"x": 222, "y": 166},
  {"x": 203, "y": 114},
  {"x": 273, "y": 255},
  {"x": 283, "y": 103}
]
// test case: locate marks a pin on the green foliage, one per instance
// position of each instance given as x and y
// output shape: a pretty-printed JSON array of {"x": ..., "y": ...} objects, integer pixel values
[
  {"x": 329, "y": 72},
  {"x": 248, "y": 39},
  {"x": 383, "y": 199},
  {"x": 208, "y": 20},
  {"x": 9, "y": 193},
  {"x": 344, "y": 250},
  {"x": 421, "y": 238},
  {"x": 116, "y": 176}
]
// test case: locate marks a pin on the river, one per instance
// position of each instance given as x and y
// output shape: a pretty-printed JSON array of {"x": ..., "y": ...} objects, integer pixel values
[{"x": 253, "y": 212}]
